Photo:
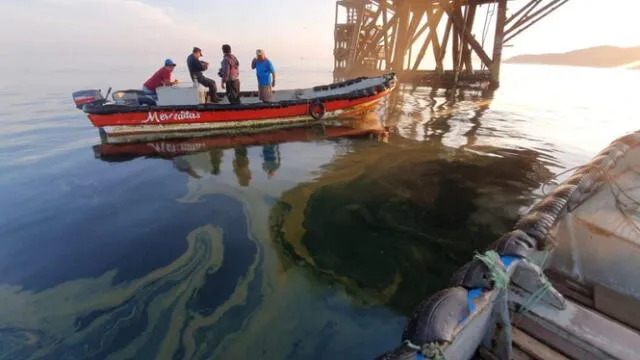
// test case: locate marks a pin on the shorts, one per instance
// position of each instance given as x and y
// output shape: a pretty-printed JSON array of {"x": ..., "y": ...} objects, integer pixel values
[{"x": 265, "y": 93}]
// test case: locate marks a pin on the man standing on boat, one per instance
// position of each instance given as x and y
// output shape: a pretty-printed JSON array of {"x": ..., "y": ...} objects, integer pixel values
[
  {"x": 162, "y": 77},
  {"x": 196, "y": 67},
  {"x": 266, "y": 75},
  {"x": 229, "y": 74}
]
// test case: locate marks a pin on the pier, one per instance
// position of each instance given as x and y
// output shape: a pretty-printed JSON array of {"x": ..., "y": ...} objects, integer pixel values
[{"x": 431, "y": 42}]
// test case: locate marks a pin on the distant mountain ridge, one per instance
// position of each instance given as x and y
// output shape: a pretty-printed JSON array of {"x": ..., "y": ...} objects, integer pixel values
[{"x": 598, "y": 56}]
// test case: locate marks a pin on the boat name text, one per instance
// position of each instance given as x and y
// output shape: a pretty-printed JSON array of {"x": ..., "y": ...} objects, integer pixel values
[
  {"x": 163, "y": 147},
  {"x": 154, "y": 116}
]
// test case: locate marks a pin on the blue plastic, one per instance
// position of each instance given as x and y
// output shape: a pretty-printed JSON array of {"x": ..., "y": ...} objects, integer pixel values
[
  {"x": 475, "y": 293},
  {"x": 508, "y": 260},
  {"x": 472, "y": 295}
]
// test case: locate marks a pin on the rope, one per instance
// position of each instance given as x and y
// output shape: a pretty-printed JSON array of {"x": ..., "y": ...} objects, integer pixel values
[
  {"x": 458, "y": 68},
  {"x": 487, "y": 19},
  {"x": 431, "y": 350},
  {"x": 555, "y": 177},
  {"x": 620, "y": 205},
  {"x": 485, "y": 28},
  {"x": 536, "y": 296},
  {"x": 461, "y": 45},
  {"x": 546, "y": 285},
  {"x": 498, "y": 271},
  {"x": 547, "y": 252}
]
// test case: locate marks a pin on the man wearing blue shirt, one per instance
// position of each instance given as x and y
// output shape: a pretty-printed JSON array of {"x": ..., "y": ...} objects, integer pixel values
[{"x": 266, "y": 75}]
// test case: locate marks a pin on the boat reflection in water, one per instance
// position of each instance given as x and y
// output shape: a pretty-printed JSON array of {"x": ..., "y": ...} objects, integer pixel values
[{"x": 176, "y": 150}]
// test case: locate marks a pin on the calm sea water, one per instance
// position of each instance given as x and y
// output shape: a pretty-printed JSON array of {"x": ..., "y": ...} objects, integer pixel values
[{"x": 313, "y": 249}]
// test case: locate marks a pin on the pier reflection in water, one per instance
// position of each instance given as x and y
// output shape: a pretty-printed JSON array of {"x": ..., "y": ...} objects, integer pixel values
[{"x": 321, "y": 256}]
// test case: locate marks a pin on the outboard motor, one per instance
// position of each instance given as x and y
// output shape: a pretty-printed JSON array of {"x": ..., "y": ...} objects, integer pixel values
[
  {"x": 83, "y": 97},
  {"x": 133, "y": 98}
]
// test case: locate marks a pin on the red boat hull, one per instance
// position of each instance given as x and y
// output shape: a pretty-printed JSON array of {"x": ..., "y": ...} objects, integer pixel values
[{"x": 178, "y": 117}]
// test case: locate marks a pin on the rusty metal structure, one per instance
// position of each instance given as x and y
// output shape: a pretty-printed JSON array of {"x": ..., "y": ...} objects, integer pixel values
[{"x": 374, "y": 36}]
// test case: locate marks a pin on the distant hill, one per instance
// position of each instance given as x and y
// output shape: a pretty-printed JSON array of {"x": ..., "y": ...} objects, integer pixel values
[{"x": 599, "y": 56}]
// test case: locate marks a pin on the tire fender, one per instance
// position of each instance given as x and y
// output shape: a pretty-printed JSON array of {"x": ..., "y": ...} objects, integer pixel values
[{"x": 316, "y": 110}]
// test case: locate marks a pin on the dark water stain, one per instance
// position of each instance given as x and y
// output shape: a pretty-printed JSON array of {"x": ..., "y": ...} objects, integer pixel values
[
  {"x": 241, "y": 253},
  {"x": 99, "y": 234},
  {"x": 84, "y": 240},
  {"x": 403, "y": 225}
]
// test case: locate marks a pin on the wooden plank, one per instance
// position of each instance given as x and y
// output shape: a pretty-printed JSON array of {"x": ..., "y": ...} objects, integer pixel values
[
  {"x": 485, "y": 354},
  {"x": 560, "y": 277},
  {"x": 433, "y": 37},
  {"x": 534, "y": 348},
  {"x": 387, "y": 55},
  {"x": 401, "y": 39},
  {"x": 524, "y": 8},
  {"x": 356, "y": 36},
  {"x": 443, "y": 46},
  {"x": 460, "y": 44},
  {"x": 466, "y": 53},
  {"x": 617, "y": 306},
  {"x": 376, "y": 40},
  {"x": 424, "y": 28},
  {"x": 526, "y": 14},
  {"x": 570, "y": 288},
  {"x": 535, "y": 20},
  {"x": 465, "y": 34},
  {"x": 421, "y": 54},
  {"x": 433, "y": 19},
  {"x": 416, "y": 19},
  {"x": 518, "y": 354},
  {"x": 550, "y": 338},
  {"x": 526, "y": 17},
  {"x": 392, "y": 43}
]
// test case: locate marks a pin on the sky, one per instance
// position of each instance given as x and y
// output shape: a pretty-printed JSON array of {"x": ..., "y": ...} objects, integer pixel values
[{"x": 98, "y": 32}]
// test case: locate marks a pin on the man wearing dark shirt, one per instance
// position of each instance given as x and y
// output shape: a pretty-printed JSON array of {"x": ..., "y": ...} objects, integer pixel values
[
  {"x": 196, "y": 67},
  {"x": 229, "y": 74}
]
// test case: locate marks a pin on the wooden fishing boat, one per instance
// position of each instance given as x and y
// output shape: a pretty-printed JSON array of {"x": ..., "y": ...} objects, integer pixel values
[
  {"x": 184, "y": 109},
  {"x": 563, "y": 284}
]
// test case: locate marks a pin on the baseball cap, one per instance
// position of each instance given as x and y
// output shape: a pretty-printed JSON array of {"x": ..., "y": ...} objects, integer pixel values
[
  {"x": 197, "y": 49},
  {"x": 169, "y": 62}
]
